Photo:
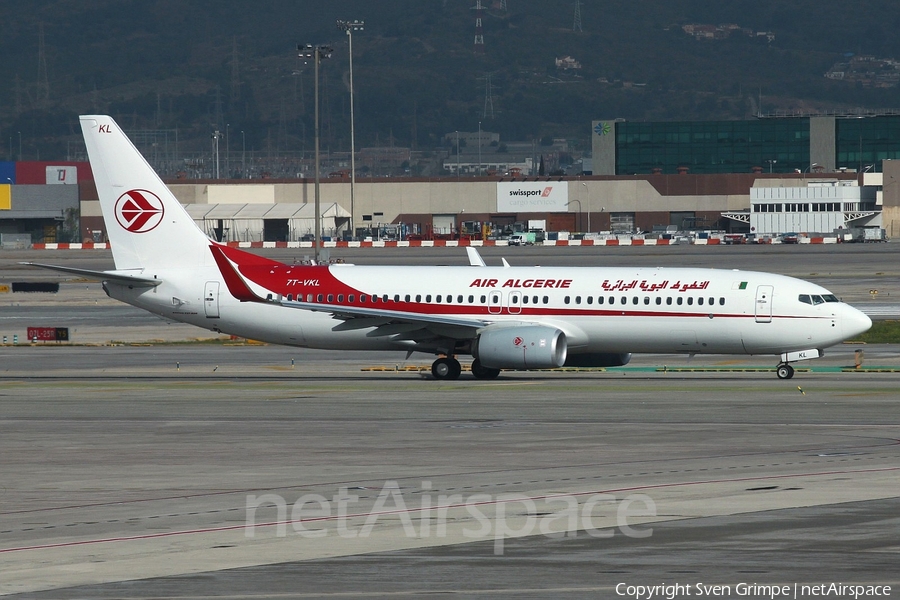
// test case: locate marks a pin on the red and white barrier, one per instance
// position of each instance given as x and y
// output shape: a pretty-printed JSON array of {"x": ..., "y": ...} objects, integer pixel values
[{"x": 442, "y": 243}]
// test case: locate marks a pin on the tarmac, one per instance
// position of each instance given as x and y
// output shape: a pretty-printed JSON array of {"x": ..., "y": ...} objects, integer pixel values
[{"x": 140, "y": 469}]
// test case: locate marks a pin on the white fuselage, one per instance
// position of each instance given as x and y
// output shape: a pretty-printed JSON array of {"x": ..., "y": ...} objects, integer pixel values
[{"x": 599, "y": 309}]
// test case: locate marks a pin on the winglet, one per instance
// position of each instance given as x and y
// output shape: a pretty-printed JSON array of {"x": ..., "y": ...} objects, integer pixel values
[{"x": 475, "y": 259}]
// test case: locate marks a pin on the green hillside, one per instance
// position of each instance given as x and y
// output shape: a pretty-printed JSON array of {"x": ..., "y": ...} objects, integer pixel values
[{"x": 196, "y": 65}]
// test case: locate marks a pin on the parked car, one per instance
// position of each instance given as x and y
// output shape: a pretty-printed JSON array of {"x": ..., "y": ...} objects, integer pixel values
[{"x": 790, "y": 238}]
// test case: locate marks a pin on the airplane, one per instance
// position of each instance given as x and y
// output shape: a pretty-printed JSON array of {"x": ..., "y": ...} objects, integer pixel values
[{"x": 505, "y": 317}]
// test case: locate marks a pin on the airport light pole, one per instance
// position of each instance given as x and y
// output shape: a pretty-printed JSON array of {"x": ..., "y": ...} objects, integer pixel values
[
  {"x": 350, "y": 27},
  {"x": 587, "y": 193},
  {"x": 479, "y": 147},
  {"x": 457, "y": 154},
  {"x": 316, "y": 53},
  {"x": 579, "y": 208},
  {"x": 227, "y": 151},
  {"x": 216, "y": 135}
]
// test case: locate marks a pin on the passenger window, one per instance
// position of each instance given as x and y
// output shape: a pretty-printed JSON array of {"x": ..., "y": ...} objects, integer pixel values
[
  {"x": 624, "y": 300},
  {"x": 577, "y": 299},
  {"x": 590, "y": 299},
  {"x": 319, "y": 298},
  {"x": 804, "y": 298},
  {"x": 712, "y": 301},
  {"x": 340, "y": 297},
  {"x": 428, "y": 298},
  {"x": 396, "y": 297},
  {"x": 599, "y": 299},
  {"x": 721, "y": 301},
  {"x": 418, "y": 297},
  {"x": 524, "y": 299},
  {"x": 309, "y": 297},
  {"x": 330, "y": 297},
  {"x": 546, "y": 299},
  {"x": 634, "y": 300},
  {"x": 471, "y": 299},
  {"x": 658, "y": 300},
  {"x": 700, "y": 300},
  {"x": 406, "y": 298},
  {"x": 646, "y": 300},
  {"x": 690, "y": 301},
  {"x": 514, "y": 299},
  {"x": 439, "y": 298},
  {"x": 290, "y": 297},
  {"x": 483, "y": 299},
  {"x": 566, "y": 299},
  {"x": 459, "y": 299},
  {"x": 374, "y": 299},
  {"x": 669, "y": 301},
  {"x": 680, "y": 300}
]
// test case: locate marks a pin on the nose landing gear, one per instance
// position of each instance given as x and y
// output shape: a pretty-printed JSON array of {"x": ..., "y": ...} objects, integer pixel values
[{"x": 784, "y": 371}]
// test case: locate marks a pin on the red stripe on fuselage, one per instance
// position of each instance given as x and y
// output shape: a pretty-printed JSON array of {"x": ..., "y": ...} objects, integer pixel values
[{"x": 305, "y": 283}]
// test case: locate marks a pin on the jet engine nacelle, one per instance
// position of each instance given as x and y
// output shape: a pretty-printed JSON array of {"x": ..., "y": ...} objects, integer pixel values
[
  {"x": 599, "y": 359},
  {"x": 521, "y": 347}
]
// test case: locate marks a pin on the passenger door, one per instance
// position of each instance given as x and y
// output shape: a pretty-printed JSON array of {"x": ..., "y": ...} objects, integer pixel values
[
  {"x": 764, "y": 303},
  {"x": 211, "y": 300}
]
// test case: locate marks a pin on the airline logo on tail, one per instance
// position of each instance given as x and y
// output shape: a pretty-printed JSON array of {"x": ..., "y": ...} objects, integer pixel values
[{"x": 139, "y": 211}]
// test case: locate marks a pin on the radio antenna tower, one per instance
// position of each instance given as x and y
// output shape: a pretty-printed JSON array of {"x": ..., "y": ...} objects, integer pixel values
[
  {"x": 43, "y": 82},
  {"x": 488, "y": 111},
  {"x": 576, "y": 26},
  {"x": 479, "y": 30},
  {"x": 235, "y": 74}
]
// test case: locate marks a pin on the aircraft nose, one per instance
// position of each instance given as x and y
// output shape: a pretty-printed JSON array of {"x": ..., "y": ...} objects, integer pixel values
[{"x": 854, "y": 322}]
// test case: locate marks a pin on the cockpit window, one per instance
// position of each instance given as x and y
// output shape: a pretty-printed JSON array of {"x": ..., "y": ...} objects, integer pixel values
[
  {"x": 817, "y": 300},
  {"x": 830, "y": 298},
  {"x": 804, "y": 298}
]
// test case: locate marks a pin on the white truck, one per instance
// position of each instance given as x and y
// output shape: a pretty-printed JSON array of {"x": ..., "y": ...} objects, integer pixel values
[{"x": 522, "y": 238}]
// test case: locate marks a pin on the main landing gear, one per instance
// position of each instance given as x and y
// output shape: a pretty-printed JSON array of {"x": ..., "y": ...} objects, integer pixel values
[
  {"x": 446, "y": 367},
  {"x": 449, "y": 368},
  {"x": 482, "y": 372},
  {"x": 784, "y": 371}
]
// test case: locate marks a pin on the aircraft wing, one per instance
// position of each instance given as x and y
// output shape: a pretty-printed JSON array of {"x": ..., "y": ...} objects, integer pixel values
[
  {"x": 123, "y": 277},
  {"x": 375, "y": 314}
]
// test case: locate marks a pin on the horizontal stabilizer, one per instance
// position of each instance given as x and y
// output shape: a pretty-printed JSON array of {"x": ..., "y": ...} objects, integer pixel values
[{"x": 123, "y": 277}]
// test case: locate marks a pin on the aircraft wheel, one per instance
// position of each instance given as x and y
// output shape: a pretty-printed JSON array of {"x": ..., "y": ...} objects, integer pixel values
[
  {"x": 446, "y": 368},
  {"x": 482, "y": 372},
  {"x": 784, "y": 371},
  {"x": 456, "y": 368}
]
